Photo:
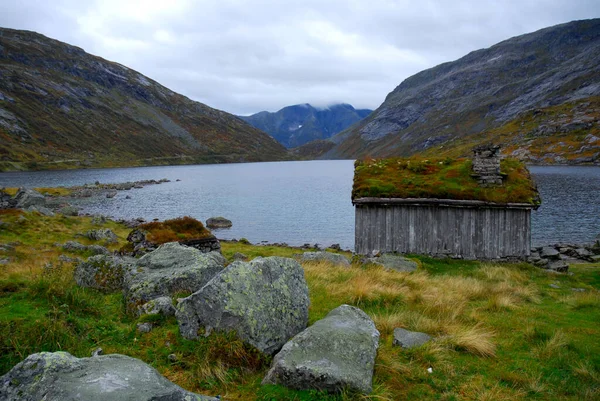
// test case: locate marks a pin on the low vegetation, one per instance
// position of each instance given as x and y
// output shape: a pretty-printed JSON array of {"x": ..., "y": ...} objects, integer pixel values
[
  {"x": 175, "y": 230},
  {"x": 501, "y": 332},
  {"x": 567, "y": 133},
  {"x": 418, "y": 177}
]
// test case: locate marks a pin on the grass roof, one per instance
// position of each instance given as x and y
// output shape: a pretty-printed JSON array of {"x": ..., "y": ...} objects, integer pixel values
[{"x": 440, "y": 179}]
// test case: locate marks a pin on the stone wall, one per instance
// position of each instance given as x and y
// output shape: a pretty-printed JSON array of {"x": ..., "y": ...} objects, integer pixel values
[{"x": 205, "y": 245}]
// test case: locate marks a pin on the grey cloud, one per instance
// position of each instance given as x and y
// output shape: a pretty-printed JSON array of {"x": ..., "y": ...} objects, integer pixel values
[{"x": 247, "y": 56}]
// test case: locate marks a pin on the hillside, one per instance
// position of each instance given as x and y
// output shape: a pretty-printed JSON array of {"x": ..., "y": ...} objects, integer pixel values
[
  {"x": 297, "y": 125},
  {"x": 537, "y": 94},
  {"x": 61, "y": 107}
]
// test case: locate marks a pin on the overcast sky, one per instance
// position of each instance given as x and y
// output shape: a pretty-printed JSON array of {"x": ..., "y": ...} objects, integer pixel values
[{"x": 248, "y": 56}]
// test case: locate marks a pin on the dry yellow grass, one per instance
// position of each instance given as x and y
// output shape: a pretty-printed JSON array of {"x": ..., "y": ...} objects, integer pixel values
[{"x": 476, "y": 340}]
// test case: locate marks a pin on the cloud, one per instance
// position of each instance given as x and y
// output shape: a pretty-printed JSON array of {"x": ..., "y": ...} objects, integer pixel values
[{"x": 247, "y": 56}]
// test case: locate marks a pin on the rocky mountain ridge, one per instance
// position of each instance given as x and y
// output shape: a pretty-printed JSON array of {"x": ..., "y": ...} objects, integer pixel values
[
  {"x": 62, "y": 107},
  {"x": 297, "y": 125},
  {"x": 493, "y": 89}
]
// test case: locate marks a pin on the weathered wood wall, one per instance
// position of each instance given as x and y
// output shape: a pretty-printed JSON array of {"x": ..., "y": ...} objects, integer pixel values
[{"x": 471, "y": 232}]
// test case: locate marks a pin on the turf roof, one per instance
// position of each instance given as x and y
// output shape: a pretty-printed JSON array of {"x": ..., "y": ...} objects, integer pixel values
[{"x": 440, "y": 179}]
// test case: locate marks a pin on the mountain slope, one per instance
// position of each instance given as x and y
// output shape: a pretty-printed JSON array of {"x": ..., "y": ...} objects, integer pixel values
[
  {"x": 62, "y": 107},
  {"x": 490, "y": 89},
  {"x": 299, "y": 124}
]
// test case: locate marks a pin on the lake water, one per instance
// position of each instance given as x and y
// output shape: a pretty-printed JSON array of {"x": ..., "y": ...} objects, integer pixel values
[{"x": 301, "y": 202}]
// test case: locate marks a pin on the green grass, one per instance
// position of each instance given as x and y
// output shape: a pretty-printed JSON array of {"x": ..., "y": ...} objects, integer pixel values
[
  {"x": 439, "y": 178},
  {"x": 502, "y": 333}
]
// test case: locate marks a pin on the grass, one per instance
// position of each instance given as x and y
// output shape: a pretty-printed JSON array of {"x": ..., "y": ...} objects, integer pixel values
[
  {"x": 417, "y": 177},
  {"x": 501, "y": 332}
]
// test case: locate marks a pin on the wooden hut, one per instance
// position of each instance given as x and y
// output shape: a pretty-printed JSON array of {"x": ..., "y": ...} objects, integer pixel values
[{"x": 472, "y": 209}]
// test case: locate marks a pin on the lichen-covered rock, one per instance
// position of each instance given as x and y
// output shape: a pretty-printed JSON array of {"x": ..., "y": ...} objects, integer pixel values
[
  {"x": 102, "y": 272},
  {"x": 59, "y": 376},
  {"x": 170, "y": 269},
  {"x": 28, "y": 197},
  {"x": 323, "y": 256},
  {"x": 218, "y": 222},
  {"x": 160, "y": 305},
  {"x": 409, "y": 339},
  {"x": 264, "y": 301},
  {"x": 336, "y": 353},
  {"x": 394, "y": 262},
  {"x": 102, "y": 234}
]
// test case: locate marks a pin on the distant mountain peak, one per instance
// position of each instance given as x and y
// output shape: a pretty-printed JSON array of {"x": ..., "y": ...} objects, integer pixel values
[{"x": 298, "y": 124}]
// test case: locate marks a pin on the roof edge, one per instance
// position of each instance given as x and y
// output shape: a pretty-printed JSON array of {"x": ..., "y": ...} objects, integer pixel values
[{"x": 440, "y": 202}]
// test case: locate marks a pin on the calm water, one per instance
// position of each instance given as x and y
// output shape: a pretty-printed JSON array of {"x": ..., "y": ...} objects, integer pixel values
[{"x": 301, "y": 202}]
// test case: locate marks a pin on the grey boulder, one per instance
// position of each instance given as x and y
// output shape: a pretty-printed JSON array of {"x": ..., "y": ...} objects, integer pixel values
[
  {"x": 102, "y": 234},
  {"x": 264, "y": 301},
  {"x": 218, "y": 222},
  {"x": 59, "y": 376},
  {"x": 28, "y": 197},
  {"x": 409, "y": 339},
  {"x": 394, "y": 262},
  {"x": 170, "y": 269},
  {"x": 44, "y": 211},
  {"x": 161, "y": 305},
  {"x": 549, "y": 253},
  {"x": 69, "y": 211},
  {"x": 102, "y": 272},
  {"x": 322, "y": 256},
  {"x": 336, "y": 353}
]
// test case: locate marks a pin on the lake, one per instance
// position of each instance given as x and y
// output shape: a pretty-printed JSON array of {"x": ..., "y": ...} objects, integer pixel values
[{"x": 301, "y": 202}]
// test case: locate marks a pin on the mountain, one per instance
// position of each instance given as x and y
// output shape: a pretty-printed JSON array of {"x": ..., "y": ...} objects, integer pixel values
[
  {"x": 62, "y": 107},
  {"x": 296, "y": 125},
  {"x": 537, "y": 94}
]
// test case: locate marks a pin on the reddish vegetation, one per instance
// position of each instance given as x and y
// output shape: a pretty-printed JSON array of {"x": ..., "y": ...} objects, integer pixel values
[{"x": 179, "y": 229}]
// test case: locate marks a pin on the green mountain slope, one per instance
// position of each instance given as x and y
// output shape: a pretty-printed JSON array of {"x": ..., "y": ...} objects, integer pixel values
[
  {"x": 62, "y": 107},
  {"x": 487, "y": 94},
  {"x": 297, "y": 125}
]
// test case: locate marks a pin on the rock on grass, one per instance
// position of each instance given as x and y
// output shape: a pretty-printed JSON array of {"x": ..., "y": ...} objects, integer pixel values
[
  {"x": 265, "y": 302},
  {"x": 334, "y": 354},
  {"x": 170, "y": 269},
  {"x": 59, "y": 376}
]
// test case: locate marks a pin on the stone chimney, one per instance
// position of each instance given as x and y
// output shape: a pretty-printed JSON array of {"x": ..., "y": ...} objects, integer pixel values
[{"x": 486, "y": 165}]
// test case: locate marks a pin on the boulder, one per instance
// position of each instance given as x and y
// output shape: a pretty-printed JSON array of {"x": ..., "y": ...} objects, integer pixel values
[
  {"x": 74, "y": 246},
  {"x": 160, "y": 305},
  {"x": 170, "y": 269},
  {"x": 102, "y": 272},
  {"x": 28, "y": 197},
  {"x": 409, "y": 339},
  {"x": 102, "y": 234},
  {"x": 6, "y": 200},
  {"x": 322, "y": 256},
  {"x": 44, "y": 211},
  {"x": 59, "y": 376},
  {"x": 336, "y": 353},
  {"x": 549, "y": 253},
  {"x": 239, "y": 256},
  {"x": 558, "y": 266},
  {"x": 218, "y": 222},
  {"x": 264, "y": 301},
  {"x": 69, "y": 211},
  {"x": 394, "y": 262}
]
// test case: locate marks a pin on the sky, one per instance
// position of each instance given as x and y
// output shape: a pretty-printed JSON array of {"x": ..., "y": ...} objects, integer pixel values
[{"x": 247, "y": 56}]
